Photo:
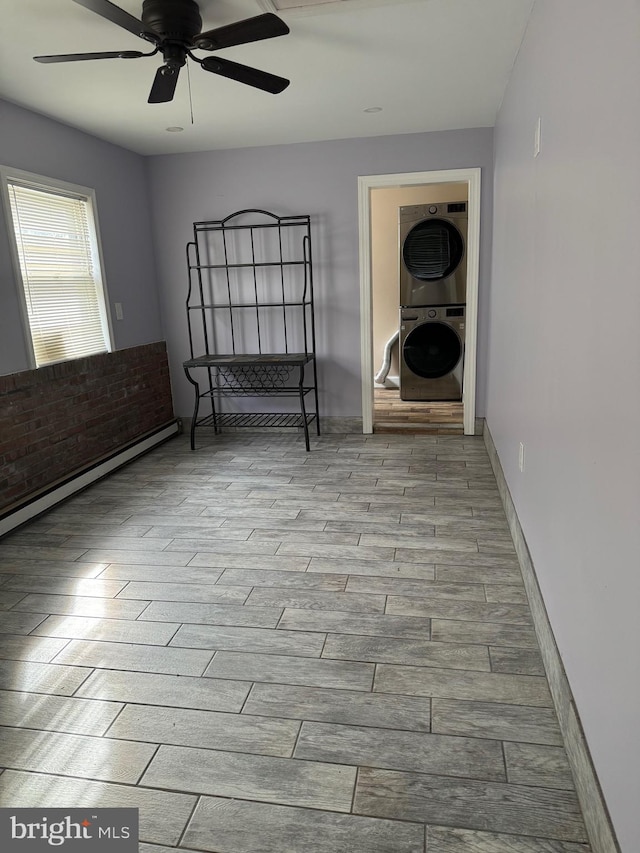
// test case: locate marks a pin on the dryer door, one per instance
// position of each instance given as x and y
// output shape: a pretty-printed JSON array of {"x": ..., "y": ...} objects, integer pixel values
[
  {"x": 432, "y": 264},
  {"x": 433, "y": 250},
  {"x": 432, "y": 350}
]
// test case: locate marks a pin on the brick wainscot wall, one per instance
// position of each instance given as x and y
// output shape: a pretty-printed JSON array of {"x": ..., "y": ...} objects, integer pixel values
[{"x": 65, "y": 417}]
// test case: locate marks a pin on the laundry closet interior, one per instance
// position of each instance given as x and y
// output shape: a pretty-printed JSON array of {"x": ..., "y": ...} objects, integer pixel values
[{"x": 418, "y": 272}]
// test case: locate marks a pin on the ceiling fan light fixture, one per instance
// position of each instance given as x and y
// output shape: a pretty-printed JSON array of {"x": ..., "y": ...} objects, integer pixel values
[
  {"x": 175, "y": 129},
  {"x": 372, "y": 110}
]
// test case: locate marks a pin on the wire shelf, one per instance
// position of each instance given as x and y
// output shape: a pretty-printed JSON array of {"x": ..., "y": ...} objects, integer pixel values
[{"x": 257, "y": 420}]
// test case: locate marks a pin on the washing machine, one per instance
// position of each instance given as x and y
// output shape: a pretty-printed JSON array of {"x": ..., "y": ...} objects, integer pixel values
[
  {"x": 432, "y": 352},
  {"x": 433, "y": 262}
]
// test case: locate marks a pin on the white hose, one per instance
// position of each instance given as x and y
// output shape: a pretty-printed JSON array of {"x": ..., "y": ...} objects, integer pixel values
[{"x": 381, "y": 375}]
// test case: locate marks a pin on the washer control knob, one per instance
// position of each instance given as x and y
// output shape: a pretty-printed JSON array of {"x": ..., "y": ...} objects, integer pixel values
[
  {"x": 431, "y": 313},
  {"x": 433, "y": 209}
]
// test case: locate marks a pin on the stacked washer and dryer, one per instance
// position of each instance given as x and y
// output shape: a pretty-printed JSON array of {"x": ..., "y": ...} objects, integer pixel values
[{"x": 433, "y": 295}]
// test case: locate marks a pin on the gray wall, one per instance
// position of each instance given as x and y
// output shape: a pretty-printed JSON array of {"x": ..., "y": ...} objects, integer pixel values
[
  {"x": 564, "y": 356},
  {"x": 320, "y": 179},
  {"x": 38, "y": 144}
]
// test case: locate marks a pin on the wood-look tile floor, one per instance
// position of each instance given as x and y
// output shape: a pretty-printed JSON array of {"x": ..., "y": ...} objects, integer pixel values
[{"x": 273, "y": 651}]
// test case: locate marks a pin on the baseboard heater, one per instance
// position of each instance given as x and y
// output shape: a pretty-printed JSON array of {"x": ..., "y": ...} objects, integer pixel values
[{"x": 79, "y": 479}]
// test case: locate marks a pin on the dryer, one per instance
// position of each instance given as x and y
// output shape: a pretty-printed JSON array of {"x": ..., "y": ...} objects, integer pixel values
[
  {"x": 433, "y": 263},
  {"x": 432, "y": 353}
]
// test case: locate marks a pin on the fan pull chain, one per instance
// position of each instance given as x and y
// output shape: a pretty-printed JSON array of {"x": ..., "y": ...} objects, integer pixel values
[{"x": 190, "y": 98}]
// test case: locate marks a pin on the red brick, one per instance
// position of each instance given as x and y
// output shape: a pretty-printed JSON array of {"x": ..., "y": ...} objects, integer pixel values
[{"x": 65, "y": 416}]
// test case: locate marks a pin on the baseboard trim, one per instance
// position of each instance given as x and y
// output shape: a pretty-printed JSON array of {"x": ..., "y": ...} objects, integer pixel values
[
  {"x": 331, "y": 425},
  {"x": 80, "y": 479},
  {"x": 594, "y": 809}
]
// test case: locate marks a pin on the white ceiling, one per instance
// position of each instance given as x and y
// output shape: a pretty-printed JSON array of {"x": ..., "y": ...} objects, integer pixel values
[{"x": 430, "y": 65}]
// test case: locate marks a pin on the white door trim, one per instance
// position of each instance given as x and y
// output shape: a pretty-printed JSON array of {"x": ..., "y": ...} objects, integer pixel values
[{"x": 366, "y": 183}]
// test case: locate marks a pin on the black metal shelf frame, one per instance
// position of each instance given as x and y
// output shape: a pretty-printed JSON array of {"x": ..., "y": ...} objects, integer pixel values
[{"x": 250, "y": 316}]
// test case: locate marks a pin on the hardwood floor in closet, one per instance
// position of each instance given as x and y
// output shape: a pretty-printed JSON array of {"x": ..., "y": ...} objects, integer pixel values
[{"x": 391, "y": 414}]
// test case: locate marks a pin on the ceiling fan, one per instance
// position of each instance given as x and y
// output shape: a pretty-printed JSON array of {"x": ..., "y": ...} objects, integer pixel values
[{"x": 174, "y": 28}]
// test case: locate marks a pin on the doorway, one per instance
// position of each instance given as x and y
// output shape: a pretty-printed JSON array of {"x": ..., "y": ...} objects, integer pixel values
[{"x": 468, "y": 181}]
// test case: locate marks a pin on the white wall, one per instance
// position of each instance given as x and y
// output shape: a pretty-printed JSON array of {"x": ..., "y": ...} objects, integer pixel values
[
  {"x": 320, "y": 179},
  {"x": 38, "y": 144},
  {"x": 564, "y": 356}
]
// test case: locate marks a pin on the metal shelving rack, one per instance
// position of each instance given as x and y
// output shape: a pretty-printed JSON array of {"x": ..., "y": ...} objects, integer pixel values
[{"x": 250, "y": 316}]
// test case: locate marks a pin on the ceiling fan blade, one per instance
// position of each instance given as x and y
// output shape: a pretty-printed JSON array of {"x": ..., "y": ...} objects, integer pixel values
[
  {"x": 79, "y": 57},
  {"x": 244, "y": 74},
  {"x": 164, "y": 85},
  {"x": 117, "y": 16},
  {"x": 260, "y": 27}
]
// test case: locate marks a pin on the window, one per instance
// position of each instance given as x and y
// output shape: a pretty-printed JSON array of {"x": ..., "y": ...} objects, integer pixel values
[{"x": 58, "y": 260}]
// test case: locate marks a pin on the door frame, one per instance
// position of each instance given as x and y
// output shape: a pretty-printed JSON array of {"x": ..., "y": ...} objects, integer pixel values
[{"x": 367, "y": 183}]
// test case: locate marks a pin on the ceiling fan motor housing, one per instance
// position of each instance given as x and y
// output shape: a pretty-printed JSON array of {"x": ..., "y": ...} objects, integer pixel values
[{"x": 177, "y": 20}]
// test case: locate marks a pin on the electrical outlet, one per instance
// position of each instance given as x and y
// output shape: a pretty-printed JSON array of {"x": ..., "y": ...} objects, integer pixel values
[
  {"x": 118, "y": 307},
  {"x": 536, "y": 138},
  {"x": 521, "y": 457}
]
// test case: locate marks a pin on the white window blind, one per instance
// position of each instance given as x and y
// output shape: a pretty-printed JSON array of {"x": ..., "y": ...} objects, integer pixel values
[{"x": 57, "y": 250}]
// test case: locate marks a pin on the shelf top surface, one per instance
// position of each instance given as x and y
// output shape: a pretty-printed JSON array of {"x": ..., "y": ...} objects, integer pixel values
[{"x": 244, "y": 359}]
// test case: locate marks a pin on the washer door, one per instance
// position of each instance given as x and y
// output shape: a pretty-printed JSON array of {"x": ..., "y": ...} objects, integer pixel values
[
  {"x": 432, "y": 350},
  {"x": 432, "y": 250}
]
